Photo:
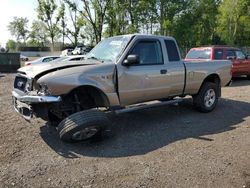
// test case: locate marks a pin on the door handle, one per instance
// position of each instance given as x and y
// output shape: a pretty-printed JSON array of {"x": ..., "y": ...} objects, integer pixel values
[{"x": 164, "y": 71}]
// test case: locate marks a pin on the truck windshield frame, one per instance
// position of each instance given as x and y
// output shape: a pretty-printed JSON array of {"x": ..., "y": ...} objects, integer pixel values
[{"x": 109, "y": 49}]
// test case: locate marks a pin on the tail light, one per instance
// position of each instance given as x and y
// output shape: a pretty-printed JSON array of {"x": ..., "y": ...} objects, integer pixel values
[{"x": 27, "y": 64}]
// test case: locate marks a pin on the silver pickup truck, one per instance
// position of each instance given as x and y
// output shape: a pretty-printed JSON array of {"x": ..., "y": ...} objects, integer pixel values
[{"x": 117, "y": 74}]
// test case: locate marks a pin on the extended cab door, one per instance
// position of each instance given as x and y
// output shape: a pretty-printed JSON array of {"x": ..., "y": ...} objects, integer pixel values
[{"x": 152, "y": 77}]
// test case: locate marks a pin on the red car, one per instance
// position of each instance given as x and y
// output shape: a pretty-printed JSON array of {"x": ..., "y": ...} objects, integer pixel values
[{"x": 241, "y": 62}]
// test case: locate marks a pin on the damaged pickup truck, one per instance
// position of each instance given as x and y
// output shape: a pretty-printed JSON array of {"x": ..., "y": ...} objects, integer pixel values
[{"x": 117, "y": 74}]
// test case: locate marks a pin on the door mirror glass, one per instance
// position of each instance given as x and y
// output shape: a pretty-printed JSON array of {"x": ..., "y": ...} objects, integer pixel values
[{"x": 131, "y": 59}]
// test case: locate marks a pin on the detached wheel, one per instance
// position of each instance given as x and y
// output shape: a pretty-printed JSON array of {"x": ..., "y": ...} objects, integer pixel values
[
  {"x": 207, "y": 98},
  {"x": 82, "y": 125}
]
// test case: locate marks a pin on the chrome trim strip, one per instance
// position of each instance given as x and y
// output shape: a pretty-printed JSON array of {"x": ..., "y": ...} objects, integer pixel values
[{"x": 36, "y": 99}]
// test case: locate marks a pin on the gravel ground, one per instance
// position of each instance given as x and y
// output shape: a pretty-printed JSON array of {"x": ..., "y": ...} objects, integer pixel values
[{"x": 170, "y": 146}]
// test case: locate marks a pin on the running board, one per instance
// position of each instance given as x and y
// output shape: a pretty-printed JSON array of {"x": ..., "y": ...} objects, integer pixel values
[{"x": 145, "y": 106}]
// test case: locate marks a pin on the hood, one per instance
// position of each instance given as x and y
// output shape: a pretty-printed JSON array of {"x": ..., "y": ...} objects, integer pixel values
[{"x": 41, "y": 69}]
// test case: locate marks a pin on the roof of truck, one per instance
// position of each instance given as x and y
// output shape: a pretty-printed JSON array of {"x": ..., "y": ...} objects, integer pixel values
[{"x": 145, "y": 35}]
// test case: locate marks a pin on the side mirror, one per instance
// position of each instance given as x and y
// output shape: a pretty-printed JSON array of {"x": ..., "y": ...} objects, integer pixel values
[
  {"x": 231, "y": 57},
  {"x": 131, "y": 59},
  {"x": 247, "y": 56}
]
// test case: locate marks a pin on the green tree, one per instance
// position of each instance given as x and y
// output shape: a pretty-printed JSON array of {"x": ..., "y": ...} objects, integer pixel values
[
  {"x": 18, "y": 28},
  {"x": 47, "y": 13},
  {"x": 196, "y": 24},
  {"x": 38, "y": 34},
  {"x": 77, "y": 22},
  {"x": 115, "y": 17},
  {"x": 94, "y": 13},
  {"x": 167, "y": 12},
  {"x": 147, "y": 15},
  {"x": 62, "y": 15},
  {"x": 234, "y": 21},
  {"x": 11, "y": 45}
]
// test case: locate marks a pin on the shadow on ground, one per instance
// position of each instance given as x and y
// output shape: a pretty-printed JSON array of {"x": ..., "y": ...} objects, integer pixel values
[
  {"x": 144, "y": 131},
  {"x": 240, "y": 81}
]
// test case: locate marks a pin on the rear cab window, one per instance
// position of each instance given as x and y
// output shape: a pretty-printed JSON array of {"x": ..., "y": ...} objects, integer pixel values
[
  {"x": 172, "y": 51},
  {"x": 199, "y": 53}
]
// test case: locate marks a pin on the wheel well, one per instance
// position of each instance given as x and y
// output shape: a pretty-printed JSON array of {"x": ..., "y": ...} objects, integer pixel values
[
  {"x": 91, "y": 93},
  {"x": 214, "y": 78}
]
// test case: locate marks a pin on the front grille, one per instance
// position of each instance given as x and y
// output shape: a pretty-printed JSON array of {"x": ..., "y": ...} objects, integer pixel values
[{"x": 20, "y": 83}]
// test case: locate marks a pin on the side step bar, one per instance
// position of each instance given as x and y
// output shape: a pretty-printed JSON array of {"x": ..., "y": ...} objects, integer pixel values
[{"x": 145, "y": 106}]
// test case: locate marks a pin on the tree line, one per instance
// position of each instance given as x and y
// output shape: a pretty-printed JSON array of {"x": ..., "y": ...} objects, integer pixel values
[{"x": 191, "y": 22}]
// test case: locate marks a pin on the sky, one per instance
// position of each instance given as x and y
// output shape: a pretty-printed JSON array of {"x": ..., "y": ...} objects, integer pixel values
[{"x": 11, "y": 8}]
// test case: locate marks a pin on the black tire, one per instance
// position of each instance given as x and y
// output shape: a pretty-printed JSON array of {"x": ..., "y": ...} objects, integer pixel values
[
  {"x": 202, "y": 101},
  {"x": 248, "y": 77},
  {"x": 82, "y": 126}
]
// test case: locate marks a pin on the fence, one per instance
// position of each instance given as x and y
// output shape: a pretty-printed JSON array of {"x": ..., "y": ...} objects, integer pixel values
[{"x": 9, "y": 62}]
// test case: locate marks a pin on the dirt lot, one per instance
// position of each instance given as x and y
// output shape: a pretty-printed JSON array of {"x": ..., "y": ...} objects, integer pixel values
[{"x": 171, "y": 146}]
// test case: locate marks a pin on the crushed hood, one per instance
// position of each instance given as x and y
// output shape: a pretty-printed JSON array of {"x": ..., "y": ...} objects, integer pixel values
[{"x": 36, "y": 70}]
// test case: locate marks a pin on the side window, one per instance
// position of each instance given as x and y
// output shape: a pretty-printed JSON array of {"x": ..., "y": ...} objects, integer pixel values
[
  {"x": 218, "y": 54},
  {"x": 172, "y": 50},
  {"x": 149, "y": 52},
  {"x": 230, "y": 53},
  {"x": 240, "y": 55}
]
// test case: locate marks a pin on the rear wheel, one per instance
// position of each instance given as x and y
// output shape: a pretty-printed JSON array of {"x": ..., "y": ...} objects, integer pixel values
[
  {"x": 207, "y": 98},
  {"x": 82, "y": 125}
]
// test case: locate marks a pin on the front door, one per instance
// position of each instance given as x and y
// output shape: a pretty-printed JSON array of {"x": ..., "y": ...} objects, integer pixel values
[{"x": 150, "y": 78}]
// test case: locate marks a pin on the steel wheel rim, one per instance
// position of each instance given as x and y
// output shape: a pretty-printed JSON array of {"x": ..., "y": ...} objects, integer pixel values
[
  {"x": 84, "y": 134},
  {"x": 210, "y": 98}
]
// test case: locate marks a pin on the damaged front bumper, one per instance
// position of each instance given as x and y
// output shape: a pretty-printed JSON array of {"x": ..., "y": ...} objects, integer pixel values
[{"x": 23, "y": 103}]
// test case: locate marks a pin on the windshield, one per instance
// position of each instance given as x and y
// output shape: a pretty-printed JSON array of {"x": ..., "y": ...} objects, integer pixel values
[
  {"x": 199, "y": 54},
  {"x": 109, "y": 49}
]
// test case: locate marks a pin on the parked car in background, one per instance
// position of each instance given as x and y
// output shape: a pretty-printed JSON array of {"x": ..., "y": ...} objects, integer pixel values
[
  {"x": 62, "y": 59},
  {"x": 241, "y": 61},
  {"x": 78, "y": 50},
  {"x": 67, "y": 52},
  {"x": 81, "y": 50},
  {"x": 23, "y": 58},
  {"x": 41, "y": 60},
  {"x": 75, "y": 58},
  {"x": 68, "y": 58},
  {"x": 87, "y": 49}
]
